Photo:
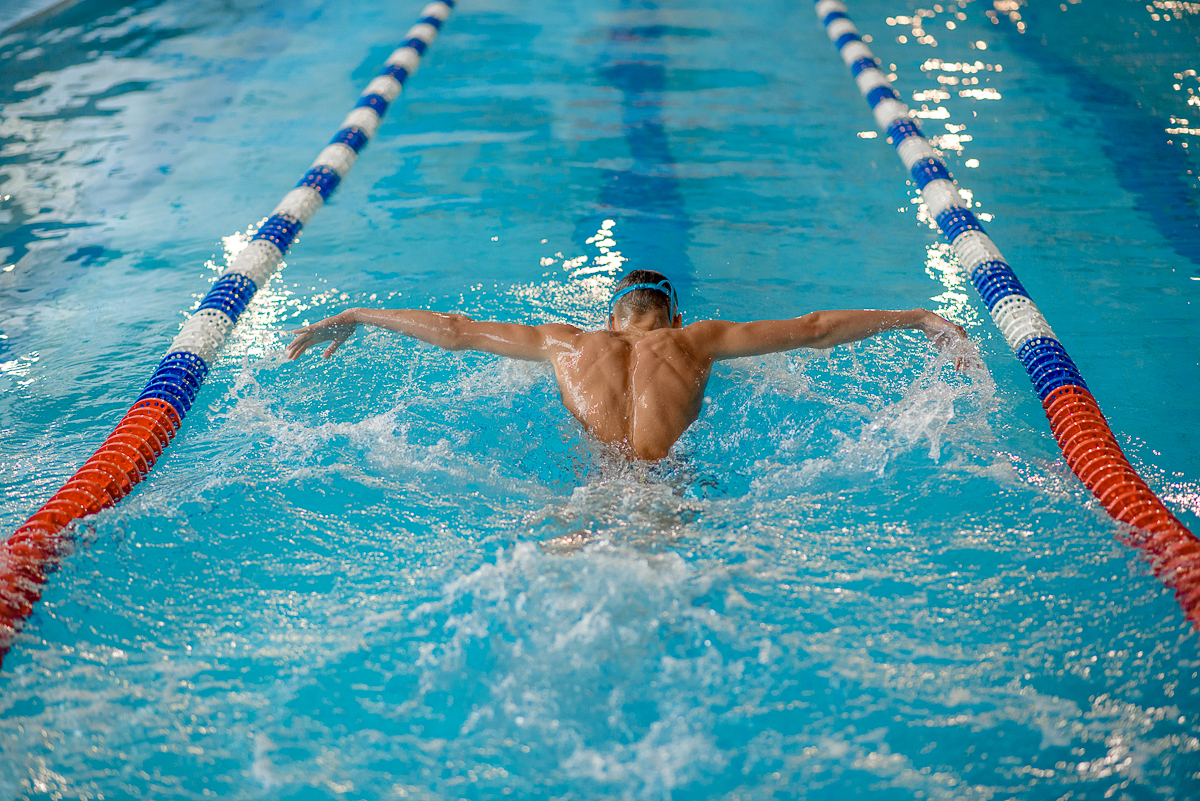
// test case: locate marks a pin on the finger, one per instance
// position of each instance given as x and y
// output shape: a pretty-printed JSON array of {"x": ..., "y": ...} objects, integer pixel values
[
  {"x": 340, "y": 340},
  {"x": 333, "y": 346},
  {"x": 302, "y": 343}
]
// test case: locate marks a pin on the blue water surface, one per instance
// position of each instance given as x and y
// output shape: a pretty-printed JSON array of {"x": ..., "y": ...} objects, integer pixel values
[{"x": 403, "y": 573}]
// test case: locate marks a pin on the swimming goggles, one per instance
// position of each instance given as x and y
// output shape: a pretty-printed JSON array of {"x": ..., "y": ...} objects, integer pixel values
[{"x": 663, "y": 286}]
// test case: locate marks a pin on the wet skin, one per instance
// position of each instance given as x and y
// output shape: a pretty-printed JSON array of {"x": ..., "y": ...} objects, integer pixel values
[{"x": 639, "y": 385}]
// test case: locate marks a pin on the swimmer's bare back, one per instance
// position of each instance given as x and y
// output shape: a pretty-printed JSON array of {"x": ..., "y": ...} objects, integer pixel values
[{"x": 639, "y": 385}]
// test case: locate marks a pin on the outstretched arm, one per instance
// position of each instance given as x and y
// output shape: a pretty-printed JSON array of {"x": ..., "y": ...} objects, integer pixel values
[
  {"x": 449, "y": 331},
  {"x": 821, "y": 329}
]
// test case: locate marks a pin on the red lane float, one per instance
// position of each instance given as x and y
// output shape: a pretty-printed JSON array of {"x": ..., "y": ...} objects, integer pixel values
[
  {"x": 130, "y": 451},
  {"x": 121, "y": 462},
  {"x": 1087, "y": 442},
  {"x": 1094, "y": 456}
]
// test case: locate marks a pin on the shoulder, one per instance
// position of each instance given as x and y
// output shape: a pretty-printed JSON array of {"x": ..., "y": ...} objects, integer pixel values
[
  {"x": 708, "y": 326},
  {"x": 696, "y": 338},
  {"x": 559, "y": 330},
  {"x": 707, "y": 339},
  {"x": 564, "y": 337},
  {"x": 703, "y": 331}
]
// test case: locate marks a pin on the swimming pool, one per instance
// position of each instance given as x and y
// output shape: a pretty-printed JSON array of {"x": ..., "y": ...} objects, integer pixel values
[{"x": 861, "y": 572}]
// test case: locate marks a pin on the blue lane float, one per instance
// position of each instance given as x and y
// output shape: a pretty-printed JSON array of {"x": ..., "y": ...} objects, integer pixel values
[
  {"x": 206, "y": 330},
  {"x": 1079, "y": 427},
  {"x": 147, "y": 428},
  {"x": 1014, "y": 313}
]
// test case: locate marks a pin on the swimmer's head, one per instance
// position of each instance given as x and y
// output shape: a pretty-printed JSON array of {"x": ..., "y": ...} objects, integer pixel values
[{"x": 644, "y": 292}]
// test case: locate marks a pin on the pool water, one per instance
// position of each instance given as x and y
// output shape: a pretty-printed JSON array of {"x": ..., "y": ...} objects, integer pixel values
[{"x": 403, "y": 573}]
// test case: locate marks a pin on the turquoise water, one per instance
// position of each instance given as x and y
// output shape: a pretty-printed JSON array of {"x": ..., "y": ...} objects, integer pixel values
[{"x": 408, "y": 574}]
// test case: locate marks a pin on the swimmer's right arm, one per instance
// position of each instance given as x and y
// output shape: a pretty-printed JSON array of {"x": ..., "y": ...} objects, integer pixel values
[
  {"x": 822, "y": 329},
  {"x": 448, "y": 331}
]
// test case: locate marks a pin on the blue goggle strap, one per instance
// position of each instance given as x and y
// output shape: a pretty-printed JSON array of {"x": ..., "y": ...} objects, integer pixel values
[{"x": 663, "y": 286}]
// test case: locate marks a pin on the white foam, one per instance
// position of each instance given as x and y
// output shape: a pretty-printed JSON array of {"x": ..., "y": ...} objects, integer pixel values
[
  {"x": 262, "y": 769},
  {"x": 937, "y": 406}
]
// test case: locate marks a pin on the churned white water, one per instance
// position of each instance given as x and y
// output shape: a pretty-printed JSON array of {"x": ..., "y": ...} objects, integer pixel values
[{"x": 403, "y": 573}]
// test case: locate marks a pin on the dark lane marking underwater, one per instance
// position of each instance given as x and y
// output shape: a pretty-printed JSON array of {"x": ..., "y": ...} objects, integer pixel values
[
  {"x": 89, "y": 32},
  {"x": 653, "y": 227},
  {"x": 1154, "y": 172},
  {"x": 36, "y": 64}
]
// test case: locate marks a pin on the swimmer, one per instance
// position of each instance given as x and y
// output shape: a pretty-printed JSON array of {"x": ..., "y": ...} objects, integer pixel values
[{"x": 639, "y": 383}]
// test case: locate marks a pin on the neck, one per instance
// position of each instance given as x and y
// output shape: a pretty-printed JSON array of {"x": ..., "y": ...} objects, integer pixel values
[{"x": 642, "y": 323}]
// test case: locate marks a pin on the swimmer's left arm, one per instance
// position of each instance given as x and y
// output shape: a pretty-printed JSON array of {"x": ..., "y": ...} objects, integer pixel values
[
  {"x": 822, "y": 329},
  {"x": 448, "y": 331}
]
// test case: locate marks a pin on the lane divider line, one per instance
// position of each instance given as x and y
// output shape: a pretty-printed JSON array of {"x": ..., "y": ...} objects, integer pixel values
[
  {"x": 130, "y": 451},
  {"x": 1078, "y": 425}
]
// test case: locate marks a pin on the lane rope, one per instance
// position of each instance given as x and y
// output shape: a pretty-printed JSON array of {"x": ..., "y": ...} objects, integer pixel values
[
  {"x": 129, "y": 452},
  {"x": 1079, "y": 427}
]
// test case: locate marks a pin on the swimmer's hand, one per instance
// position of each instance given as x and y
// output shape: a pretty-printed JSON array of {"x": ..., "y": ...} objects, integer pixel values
[
  {"x": 335, "y": 330},
  {"x": 948, "y": 337}
]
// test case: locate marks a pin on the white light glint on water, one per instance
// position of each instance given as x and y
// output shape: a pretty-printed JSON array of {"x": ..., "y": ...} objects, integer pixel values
[{"x": 406, "y": 573}]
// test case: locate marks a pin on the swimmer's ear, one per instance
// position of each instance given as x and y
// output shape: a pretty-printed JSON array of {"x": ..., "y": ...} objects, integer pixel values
[{"x": 678, "y": 321}]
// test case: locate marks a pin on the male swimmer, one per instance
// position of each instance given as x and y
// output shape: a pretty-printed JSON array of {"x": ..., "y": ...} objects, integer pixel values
[{"x": 639, "y": 384}]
